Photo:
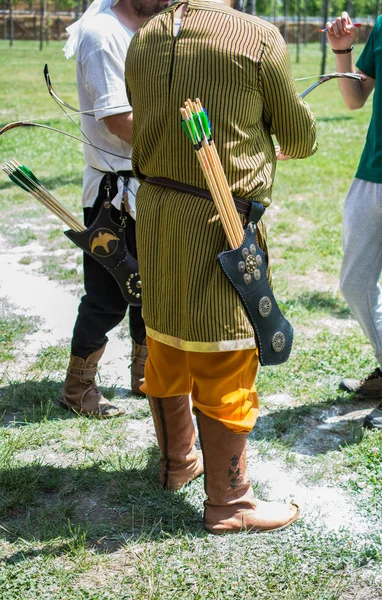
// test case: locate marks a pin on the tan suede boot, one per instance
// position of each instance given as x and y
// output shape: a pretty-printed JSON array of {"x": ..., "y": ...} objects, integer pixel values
[
  {"x": 231, "y": 506},
  {"x": 175, "y": 432},
  {"x": 80, "y": 393},
  {"x": 138, "y": 361}
]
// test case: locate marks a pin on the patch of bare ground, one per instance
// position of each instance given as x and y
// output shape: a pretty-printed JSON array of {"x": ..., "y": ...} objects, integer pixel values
[
  {"x": 316, "y": 280},
  {"x": 320, "y": 503},
  {"x": 30, "y": 293},
  {"x": 337, "y": 326},
  {"x": 361, "y": 589},
  {"x": 112, "y": 570}
]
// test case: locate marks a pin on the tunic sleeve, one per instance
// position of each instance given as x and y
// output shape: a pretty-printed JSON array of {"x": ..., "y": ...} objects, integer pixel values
[
  {"x": 102, "y": 70},
  {"x": 289, "y": 118},
  {"x": 366, "y": 62}
]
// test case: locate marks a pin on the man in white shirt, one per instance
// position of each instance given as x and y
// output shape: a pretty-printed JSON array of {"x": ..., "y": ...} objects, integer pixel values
[{"x": 100, "y": 40}]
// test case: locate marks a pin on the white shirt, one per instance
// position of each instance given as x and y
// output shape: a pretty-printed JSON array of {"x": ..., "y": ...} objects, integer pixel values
[{"x": 101, "y": 56}]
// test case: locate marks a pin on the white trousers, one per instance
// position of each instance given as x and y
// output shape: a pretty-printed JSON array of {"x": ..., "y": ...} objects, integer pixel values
[{"x": 362, "y": 261}]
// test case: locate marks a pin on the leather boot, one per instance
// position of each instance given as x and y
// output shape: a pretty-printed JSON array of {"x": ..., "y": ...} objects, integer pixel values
[
  {"x": 175, "y": 433},
  {"x": 231, "y": 506},
  {"x": 138, "y": 361},
  {"x": 80, "y": 393}
]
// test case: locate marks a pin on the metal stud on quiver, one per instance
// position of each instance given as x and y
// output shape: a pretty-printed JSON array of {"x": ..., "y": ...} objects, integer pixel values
[{"x": 274, "y": 334}]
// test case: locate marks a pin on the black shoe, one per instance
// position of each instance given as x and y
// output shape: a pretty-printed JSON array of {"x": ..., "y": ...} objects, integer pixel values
[
  {"x": 370, "y": 386},
  {"x": 374, "y": 419}
]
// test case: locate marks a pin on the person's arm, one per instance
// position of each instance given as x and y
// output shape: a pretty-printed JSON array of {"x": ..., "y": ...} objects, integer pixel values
[
  {"x": 121, "y": 125},
  {"x": 280, "y": 155},
  {"x": 341, "y": 35},
  {"x": 288, "y": 117}
]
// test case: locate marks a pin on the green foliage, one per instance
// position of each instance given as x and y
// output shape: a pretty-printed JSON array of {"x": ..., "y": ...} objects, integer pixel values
[
  {"x": 13, "y": 329},
  {"x": 314, "y": 8}
]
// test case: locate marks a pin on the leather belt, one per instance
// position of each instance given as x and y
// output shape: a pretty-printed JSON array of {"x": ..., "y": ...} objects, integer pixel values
[{"x": 243, "y": 205}]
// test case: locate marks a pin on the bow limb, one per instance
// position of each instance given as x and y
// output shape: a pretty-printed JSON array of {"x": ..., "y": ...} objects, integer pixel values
[
  {"x": 74, "y": 137},
  {"x": 56, "y": 98},
  {"x": 328, "y": 76},
  {"x": 61, "y": 103}
]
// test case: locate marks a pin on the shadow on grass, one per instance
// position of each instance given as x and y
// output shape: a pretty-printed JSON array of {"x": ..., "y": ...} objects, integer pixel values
[
  {"x": 101, "y": 506},
  {"x": 314, "y": 429},
  {"x": 334, "y": 119},
  {"x": 34, "y": 401},
  {"x": 320, "y": 302}
]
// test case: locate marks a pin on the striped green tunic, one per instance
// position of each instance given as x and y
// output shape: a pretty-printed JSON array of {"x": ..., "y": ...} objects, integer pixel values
[{"x": 238, "y": 66}]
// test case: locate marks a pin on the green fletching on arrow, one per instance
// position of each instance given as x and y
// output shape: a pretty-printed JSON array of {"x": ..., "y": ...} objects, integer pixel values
[
  {"x": 194, "y": 133},
  {"x": 17, "y": 182},
  {"x": 185, "y": 129},
  {"x": 28, "y": 173},
  {"x": 198, "y": 128},
  {"x": 21, "y": 176},
  {"x": 205, "y": 123}
]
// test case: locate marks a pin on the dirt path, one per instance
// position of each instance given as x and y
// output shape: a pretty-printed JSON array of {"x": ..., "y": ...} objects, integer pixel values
[{"x": 30, "y": 293}]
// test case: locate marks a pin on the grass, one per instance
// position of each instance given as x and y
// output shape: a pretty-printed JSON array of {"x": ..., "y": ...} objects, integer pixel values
[
  {"x": 81, "y": 516},
  {"x": 13, "y": 328}
]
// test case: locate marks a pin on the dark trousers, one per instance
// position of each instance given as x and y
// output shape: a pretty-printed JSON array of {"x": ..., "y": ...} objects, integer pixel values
[{"x": 103, "y": 307}]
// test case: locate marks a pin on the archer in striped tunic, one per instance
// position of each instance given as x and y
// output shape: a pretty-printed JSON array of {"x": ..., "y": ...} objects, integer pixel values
[{"x": 199, "y": 337}]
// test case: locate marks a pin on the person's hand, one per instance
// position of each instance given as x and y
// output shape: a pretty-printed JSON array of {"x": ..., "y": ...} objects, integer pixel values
[
  {"x": 280, "y": 155},
  {"x": 341, "y": 33}
]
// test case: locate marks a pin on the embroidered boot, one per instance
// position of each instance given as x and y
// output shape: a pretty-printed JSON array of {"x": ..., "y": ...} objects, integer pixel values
[
  {"x": 231, "y": 506},
  {"x": 80, "y": 393},
  {"x": 138, "y": 361},
  {"x": 175, "y": 433}
]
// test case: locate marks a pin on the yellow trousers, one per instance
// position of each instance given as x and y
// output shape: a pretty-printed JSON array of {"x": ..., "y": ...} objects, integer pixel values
[{"x": 221, "y": 384}]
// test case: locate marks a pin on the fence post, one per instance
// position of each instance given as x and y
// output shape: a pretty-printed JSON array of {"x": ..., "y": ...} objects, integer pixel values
[
  {"x": 298, "y": 41},
  {"x": 323, "y": 40},
  {"x": 305, "y": 22},
  {"x": 4, "y": 22},
  {"x": 11, "y": 25},
  {"x": 47, "y": 23},
  {"x": 42, "y": 11},
  {"x": 285, "y": 21}
]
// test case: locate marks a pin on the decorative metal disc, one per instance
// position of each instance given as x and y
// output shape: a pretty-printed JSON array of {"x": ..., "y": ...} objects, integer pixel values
[
  {"x": 252, "y": 249},
  {"x": 259, "y": 260},
  {"x": 256, "y": 274},
  {"x": 241, "y": 267},
  {"x": 134, "y": 285},
  {"x": 247, "y": 278},
  {"x": 244, "y": 252},
  {"x": 278, "y": 342},
  {"x": 265, "y": 306},
  {"x": 250, "y": 263}
]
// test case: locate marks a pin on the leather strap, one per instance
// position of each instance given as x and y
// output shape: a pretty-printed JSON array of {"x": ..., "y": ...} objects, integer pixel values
[{"x": 243, "y": 205}]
